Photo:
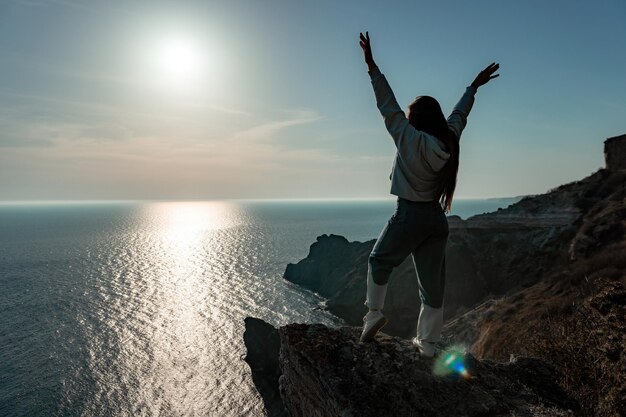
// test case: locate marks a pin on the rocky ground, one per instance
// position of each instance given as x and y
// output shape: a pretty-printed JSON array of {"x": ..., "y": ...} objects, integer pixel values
[
  {"x": 328, "y": 372},
  {"x": 575, "y": 316}
]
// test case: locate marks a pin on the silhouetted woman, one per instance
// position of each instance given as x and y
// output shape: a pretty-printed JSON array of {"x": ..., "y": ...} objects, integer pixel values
[{"x": 424, "y": 178}]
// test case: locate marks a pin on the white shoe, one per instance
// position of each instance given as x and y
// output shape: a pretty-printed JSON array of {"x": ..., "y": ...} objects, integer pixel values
[
  {"x": 426, "y": 349},
  {"x": 373, "y": 321}
]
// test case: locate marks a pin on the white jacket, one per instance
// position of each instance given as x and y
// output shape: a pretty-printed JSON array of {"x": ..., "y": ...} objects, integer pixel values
[{"x": 420, "y": 156}]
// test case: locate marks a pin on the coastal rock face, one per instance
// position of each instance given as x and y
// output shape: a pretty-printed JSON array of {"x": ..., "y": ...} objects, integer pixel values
[
  {"x": 575, "y": 317},
  {"x": 263, "y": 345},
  {"x": 334, "y": 263},
  {"x": 328, "y": 372},
  {"x": 488, "y": 255},
  {"x": 331, "y": 261},
  {"x": 543, "y": 278}
]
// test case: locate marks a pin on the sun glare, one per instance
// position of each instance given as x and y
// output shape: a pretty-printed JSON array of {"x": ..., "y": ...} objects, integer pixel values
[{"x": 179, "y": 62}]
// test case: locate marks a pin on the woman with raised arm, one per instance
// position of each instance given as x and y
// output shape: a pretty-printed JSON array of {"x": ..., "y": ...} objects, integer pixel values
[{"x": 423, "y": 178}]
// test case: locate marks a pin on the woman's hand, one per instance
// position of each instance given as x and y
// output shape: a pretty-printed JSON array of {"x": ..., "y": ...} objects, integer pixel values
[
  {"x": 486, "y": 75},
  {"x": 367, "y": 50}
]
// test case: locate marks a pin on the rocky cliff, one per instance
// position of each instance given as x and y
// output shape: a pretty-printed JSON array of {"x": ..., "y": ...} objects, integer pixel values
[
  {"x": 575, "y": 316},
  {"x": 263, "y": 345},
  {"x": 544, "y": 278},
  {"x": 487, "y": 255},
  {"x": 328, "y": 372}
]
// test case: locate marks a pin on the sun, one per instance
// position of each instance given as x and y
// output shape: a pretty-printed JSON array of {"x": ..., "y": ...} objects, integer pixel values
[
  {"x": 179, "y": 61},
  {"x": 178, "y": 58}
]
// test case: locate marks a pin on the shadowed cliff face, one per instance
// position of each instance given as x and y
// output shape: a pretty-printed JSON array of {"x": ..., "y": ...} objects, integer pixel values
[
  {"x": 335, "y": 263},
  {"x": 263, "y": 344},
  {"x": 545, "y": 277},
  {"x": 328, "y": 372},
  {"x": 487, "y": 255},
  {"x": 575, "y": 317}
]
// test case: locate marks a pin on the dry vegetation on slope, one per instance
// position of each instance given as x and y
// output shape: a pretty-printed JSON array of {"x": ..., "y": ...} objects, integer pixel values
[{"x": 575, "y": 318}]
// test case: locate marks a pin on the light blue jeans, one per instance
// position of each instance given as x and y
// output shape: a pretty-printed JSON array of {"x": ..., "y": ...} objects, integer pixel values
[{"x": 421, "y": 230}]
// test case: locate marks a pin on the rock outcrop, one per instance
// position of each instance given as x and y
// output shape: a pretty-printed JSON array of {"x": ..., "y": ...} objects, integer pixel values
[
  {"x": 329, "y": 264},
  {"x": 615, "y": 152},
  {"x": 263, "y": 345},
  {"x": 543, "y": 278},
  {"x": 487, "y": 256},
  {"x": 575, "y": 317},
  {"x": 328, "y": 372}
]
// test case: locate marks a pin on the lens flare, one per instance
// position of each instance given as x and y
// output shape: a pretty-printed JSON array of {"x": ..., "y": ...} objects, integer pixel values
[{"x": 451, "y": 361}]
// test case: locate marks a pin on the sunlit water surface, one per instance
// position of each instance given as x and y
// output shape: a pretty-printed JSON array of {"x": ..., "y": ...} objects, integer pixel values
[{"x": 132, "y": 309}]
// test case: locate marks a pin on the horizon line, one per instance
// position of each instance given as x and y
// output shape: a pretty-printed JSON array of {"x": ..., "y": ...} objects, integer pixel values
[{"x": 304, "y": 199}]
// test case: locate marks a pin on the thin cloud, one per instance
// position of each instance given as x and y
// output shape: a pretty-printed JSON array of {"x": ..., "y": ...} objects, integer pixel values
[
  {"x": 29, "y": 3},
  {"x": 46, "y": 134},
  {"x": 228, "y": 110},
  {"x": 267, "y": 129},
  {"x": 101, "y": 108},
  {"x": 12, "y": 141},
  {"x": 73, "y": 5}
]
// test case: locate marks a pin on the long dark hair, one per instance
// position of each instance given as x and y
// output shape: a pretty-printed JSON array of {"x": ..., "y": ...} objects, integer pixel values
[{"x": 425, "y": 114}]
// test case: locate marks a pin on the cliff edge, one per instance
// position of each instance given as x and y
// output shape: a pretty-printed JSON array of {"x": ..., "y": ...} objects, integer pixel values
[
  {"x": 328, "y": 372},
  {"x": 543, "y": 278}
]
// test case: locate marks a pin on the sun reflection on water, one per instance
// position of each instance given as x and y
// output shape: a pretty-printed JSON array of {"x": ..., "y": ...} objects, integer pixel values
[
  {"x": 185, "y": 222},
  {"x": 190, "y": 304},
  {"x": 169, "y": 316}
]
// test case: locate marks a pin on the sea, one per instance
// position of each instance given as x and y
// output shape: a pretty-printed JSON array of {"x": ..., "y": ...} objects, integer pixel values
[{"x": 136, "y": 308}]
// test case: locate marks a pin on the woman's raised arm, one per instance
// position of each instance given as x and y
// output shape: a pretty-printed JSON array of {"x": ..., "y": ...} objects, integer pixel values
[
  {"x": 458, "y": 118},
  {"x": 404, "y": 135}
]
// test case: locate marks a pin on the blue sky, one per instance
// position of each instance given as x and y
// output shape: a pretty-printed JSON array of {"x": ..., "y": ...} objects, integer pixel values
[{"x": 281, "y": 105}]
